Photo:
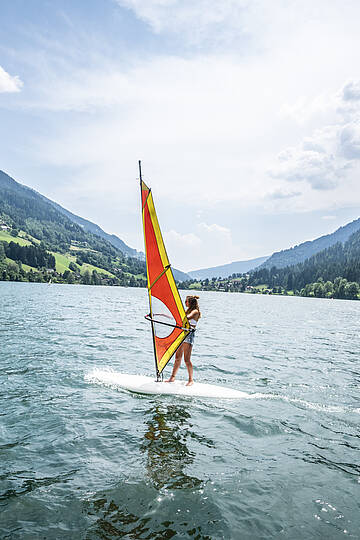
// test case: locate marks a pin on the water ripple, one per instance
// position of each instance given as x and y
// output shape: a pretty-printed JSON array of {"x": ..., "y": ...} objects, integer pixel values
[{"x": 80, "y": 460}]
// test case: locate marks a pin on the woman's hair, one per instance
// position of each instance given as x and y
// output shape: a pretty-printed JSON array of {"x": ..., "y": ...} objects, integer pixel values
[{"x": 193, "y": 304}]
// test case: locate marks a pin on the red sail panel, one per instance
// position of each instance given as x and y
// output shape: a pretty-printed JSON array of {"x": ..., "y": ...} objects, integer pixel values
[{"x": 165, "y": 302}]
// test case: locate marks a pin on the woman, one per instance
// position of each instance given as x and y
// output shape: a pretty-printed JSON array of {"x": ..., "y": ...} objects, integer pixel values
[{"x": 193, "y": 314}]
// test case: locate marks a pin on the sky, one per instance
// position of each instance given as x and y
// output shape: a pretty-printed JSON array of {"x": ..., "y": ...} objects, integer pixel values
[{"x": 245, "y": 115}]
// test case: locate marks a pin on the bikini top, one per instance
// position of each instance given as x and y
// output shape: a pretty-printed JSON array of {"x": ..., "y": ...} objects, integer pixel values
[{"x": 192, "y": 322}]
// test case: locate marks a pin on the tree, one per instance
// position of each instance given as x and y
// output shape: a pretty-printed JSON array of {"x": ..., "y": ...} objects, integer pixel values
[
  {"x": 352, "y": 290},
  {"x": 95, "y": 278},
  {"x": 319, "y": 289},
  {"x": 86, "y": 278},
  {"x": 340, "y": 292},
  {"x": 290, "y": 281},
  {"x": 2, "y": 252},
  {"x": 329, "y": 289}
]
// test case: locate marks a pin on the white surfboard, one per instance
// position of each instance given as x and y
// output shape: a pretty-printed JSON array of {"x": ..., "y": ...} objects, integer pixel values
[{"x": 141, "y": 384}]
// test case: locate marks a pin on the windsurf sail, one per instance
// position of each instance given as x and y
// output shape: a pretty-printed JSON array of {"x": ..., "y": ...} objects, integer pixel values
[{"x": 169, "y": 323}]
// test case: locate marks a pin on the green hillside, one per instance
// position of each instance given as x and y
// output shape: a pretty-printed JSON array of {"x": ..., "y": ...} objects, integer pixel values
[
  {"x": 331, "y": 273},
  {"x": 37, "y": 242},
  {"x": 300, "y": 253},
  {"x": 7, "y": 237}
]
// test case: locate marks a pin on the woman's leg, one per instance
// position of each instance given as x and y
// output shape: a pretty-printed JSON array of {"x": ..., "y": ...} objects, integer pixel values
[
  {"x": 187, "y": 356},
  {"x": 177, "y": 363}
]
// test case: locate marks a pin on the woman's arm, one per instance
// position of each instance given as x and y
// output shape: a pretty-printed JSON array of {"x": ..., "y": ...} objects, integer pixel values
[{"x": 194, "y": 314}]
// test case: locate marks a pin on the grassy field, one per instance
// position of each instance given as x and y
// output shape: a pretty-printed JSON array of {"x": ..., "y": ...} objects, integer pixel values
[
  {"x": 6, "y": 237},
  {"x": 261, "y": 287},
  {"x": 90, "y": 267},
  {"x": 27, "y": 236},
  {"x": 136, "y": 276},
  {"x": 62, "y": 262},
  {"x": 27, "y": 268},
  {"x": 195, "y": 286}
]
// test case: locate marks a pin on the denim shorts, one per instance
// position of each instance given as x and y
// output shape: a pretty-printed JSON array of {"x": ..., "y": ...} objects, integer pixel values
[{"x": 190, "y": 338}]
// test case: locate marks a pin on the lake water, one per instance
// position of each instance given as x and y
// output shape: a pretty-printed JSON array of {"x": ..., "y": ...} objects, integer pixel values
[{"x": 83, "y": 461}]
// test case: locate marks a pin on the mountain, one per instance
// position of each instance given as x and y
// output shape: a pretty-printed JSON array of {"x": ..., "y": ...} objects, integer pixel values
[
  {"x": 333, "y": 272},
  {"x": 225, "y": 270},
  {"x": 179, "y": 275},
  {"x": 95, "y": 229},
  {"x": 44, "y": 221},
  {"x": 301, "y": 252},
  {"x": 112, "y": 238},
  {"x": 32, "y": 228},
  {"x": 8, "y": 183}
]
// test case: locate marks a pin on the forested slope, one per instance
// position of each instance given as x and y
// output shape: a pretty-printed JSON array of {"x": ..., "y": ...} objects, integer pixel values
[
  {"x": 332, "y": 273},
  {"x": 322, "y": 274},
  {"x": 300, "y": 253},
  {"x": 28, "y": 218}
]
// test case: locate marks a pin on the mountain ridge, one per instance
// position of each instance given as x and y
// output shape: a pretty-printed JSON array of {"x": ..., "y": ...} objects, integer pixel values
[
  {"x": 225, "y": 270},
  {"x": 10, "y": 185},
  {"x": 305, "y": 250},
  {"x": 14, "y": 185}
]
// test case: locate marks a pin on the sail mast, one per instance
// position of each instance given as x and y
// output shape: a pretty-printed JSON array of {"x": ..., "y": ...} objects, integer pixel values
[
  {"x": 169, "y": 323},
  {"x": 148, "y": 283}
]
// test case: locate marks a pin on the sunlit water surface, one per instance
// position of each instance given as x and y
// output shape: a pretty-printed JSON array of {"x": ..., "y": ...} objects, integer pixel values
[{"x": 82, "y": 460}]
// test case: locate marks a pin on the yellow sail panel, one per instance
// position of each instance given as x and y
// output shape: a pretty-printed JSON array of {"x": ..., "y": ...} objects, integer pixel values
[{"x": 170, "y": 325}]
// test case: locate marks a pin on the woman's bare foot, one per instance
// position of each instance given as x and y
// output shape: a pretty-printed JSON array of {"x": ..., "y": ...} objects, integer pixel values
[
  {"x": 189, "y": 383},
  {"x": 172, "y": 379}
]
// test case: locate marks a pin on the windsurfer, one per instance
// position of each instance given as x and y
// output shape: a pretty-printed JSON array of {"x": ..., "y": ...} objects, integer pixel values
[{"x": 193, "y": 314}]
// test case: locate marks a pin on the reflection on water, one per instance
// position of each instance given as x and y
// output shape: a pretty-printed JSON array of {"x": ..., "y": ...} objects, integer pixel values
[
  {"x": 150, "y": 509},
  {"x": 165, "y": 446}
]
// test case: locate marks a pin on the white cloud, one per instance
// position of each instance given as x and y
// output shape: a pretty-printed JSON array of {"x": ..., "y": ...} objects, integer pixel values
[
  {"x": 9, "y": 83},
  {"x": 246, "y": 82},
  {"x": 207, "y": 246},
  {"x": 325, "y": 158},
  {"x": 351, "y": 92},
  {"x": 349, "y": 138},
  {"x": 320, "y": 170},
  {"x": 280, "y": 194},
  {"x": 187, "y": 114},
  {"x": 189, "y": 240},
  {"x": 202, "y": 141},
  {"x": 194, "y": 21},
  {"x": 246, "y": 25},
  {"x": 215, "y": 230}
]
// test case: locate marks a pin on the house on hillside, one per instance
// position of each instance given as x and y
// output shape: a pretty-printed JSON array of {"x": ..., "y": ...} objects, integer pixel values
[{"x": 4, "y": 227}]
